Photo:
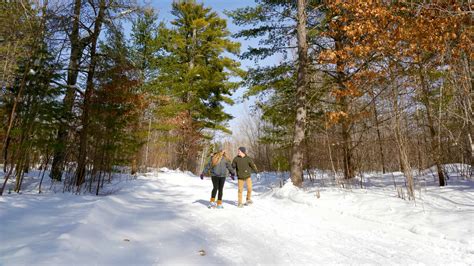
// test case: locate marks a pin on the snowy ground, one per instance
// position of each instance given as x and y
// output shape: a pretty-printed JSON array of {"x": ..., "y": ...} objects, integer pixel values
[{"x": 162, "y": 218}]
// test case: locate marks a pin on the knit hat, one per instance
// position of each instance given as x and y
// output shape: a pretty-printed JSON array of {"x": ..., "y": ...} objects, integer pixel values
[{"x": 242, "y": 149}]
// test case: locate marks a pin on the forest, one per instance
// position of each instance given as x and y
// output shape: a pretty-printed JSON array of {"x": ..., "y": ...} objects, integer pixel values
[{"x": 92, "y": 87}]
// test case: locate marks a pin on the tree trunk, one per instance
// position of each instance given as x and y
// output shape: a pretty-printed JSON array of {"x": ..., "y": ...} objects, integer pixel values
[
  {"x": 82, "y": 160},
  {"x": 379, "y": 137},
  {"x": 347, "y": 150},
  {"x": 402, "y": 149},
  {"x": 468, "y": 109},
  {"x": 7, "y": 176},
  {"x": 45, "y": 167},
  {"x": 329, "y": 147},
  {"x": 12, "y": 116},
  {"x": 134, "y": 168},
  {"x": 77, "y": 48},
  {"x": 348, "y": 164},
  {"x": 301, "y": 84},
  {"x": 435, "y": 144}
]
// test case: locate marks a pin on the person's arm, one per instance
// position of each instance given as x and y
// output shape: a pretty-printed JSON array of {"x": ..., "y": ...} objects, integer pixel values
[
  {"x": 234, "y": 163},
  {"x": 207, "y": 167},
  {"x": 253, "y": 166},
  {"x": 228, "y": 164}
]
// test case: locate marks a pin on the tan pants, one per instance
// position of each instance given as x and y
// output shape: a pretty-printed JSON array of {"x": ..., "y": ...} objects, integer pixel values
[{"x": 241, "y": 188}]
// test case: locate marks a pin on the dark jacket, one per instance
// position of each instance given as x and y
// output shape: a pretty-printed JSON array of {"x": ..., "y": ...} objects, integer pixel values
[
  {"x": 244, "y": 166},
  {"x": 221, "y": 169}
]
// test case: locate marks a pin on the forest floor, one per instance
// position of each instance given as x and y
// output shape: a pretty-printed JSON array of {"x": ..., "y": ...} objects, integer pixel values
[{"x": 162, "y": 217}]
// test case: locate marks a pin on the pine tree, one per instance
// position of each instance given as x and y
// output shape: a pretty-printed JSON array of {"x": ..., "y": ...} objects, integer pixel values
[
  {"x": 296, "y": 170},
  {"x": 143, "y": 50},
  {"x": 116, "y": 108},
  {"x": 37, "y": 114},
  {"x": 143, "y": 38},
  {"x": 89, "y": 90},
  {"x": 78, "y": 45},
  {"x": 30, "y": 105},
  {"x": 279, "y": 25},
  {"x": 194, "y": 71},
  {"x": 16, "y": 45}
]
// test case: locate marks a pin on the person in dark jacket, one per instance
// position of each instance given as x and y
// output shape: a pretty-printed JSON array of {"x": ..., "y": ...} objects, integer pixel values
[
  {"x": 219, "y": 167},
  {"x": 244, "y": 166}
]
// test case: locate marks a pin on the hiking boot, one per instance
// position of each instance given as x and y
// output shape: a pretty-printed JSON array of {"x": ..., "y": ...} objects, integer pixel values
[
  {"x": 248, "y": 202},
  {"x": 240, "y": 205}
]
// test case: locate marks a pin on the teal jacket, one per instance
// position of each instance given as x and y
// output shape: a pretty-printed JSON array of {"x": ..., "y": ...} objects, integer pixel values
[{"x": 222, "y": 169}]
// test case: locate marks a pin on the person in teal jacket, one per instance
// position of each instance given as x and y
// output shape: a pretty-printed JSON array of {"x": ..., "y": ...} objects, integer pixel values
[{"x": 219, "y": 167}]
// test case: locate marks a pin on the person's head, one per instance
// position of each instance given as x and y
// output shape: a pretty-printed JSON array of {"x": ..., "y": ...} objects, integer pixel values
[
  {"x": 220, "y": 152},
  {"x": 218, "y": 147},
  {"x": 242, "y": 152}
]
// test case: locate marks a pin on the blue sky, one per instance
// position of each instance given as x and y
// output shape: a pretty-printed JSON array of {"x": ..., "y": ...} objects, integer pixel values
[{"x": 237, "y": 110}]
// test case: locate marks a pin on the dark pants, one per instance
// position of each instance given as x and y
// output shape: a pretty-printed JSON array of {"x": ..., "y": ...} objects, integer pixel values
[{"x": 218, "y": 185}]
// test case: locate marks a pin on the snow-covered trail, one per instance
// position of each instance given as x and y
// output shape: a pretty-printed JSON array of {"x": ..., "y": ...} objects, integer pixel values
[{"x": 162, "y": 218}]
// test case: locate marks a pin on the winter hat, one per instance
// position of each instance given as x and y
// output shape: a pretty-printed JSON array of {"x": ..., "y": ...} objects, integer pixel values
[{"x": 242, "y": 149}]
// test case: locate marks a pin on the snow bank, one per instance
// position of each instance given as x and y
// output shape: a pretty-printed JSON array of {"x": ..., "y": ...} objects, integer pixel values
[{"x": 440, "y": 212}]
